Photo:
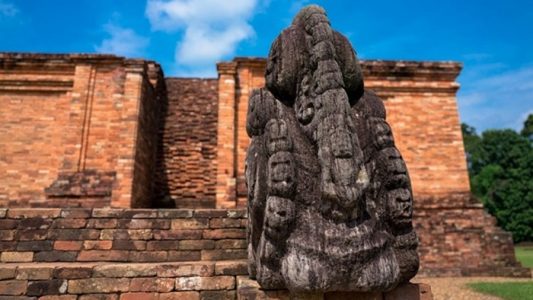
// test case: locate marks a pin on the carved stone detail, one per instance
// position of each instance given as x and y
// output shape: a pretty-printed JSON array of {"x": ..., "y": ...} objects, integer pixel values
[{"x": 330, "y": 200}]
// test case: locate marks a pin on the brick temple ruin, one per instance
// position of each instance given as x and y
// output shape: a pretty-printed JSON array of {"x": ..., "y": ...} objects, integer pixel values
[{"x": 88, "y": 140}]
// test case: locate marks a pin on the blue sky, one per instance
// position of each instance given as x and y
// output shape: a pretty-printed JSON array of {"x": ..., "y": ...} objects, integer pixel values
[{"x": 494, "y": 39}]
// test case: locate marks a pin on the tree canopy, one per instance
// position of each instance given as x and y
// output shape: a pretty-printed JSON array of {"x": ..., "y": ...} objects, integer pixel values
[{"x": 500, "y": 165}]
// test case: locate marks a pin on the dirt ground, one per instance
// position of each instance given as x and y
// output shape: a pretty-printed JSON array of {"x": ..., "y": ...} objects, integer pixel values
[{"x": 454, "y": 288}]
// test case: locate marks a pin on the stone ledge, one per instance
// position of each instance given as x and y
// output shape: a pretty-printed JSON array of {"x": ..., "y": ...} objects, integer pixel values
[
  {"x": 24, "y": 59},
  {"x": 121, "y": 235},
  {"x": 183, "y": 280},
  {"x": 436, "y": 70},
  {"x": 133, "y": 213},
  {"x": 248, "y": 289}
]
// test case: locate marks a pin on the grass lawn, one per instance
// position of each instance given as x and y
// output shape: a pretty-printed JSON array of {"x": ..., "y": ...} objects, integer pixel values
[
  {"x": 510, "y": 290},
  {"x": 505, "y": 290},
  {"x": 525, "y": 255}
]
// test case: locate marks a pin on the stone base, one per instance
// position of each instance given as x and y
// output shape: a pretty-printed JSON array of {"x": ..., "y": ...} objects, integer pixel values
[{"x": 248, "y": 289}]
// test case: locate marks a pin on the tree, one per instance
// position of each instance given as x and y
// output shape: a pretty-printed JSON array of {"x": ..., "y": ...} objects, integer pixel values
[
  {"x": 471, "y": 141},
  {"x": 527, "y": 131},
  {"x": 500, "y": 164}
]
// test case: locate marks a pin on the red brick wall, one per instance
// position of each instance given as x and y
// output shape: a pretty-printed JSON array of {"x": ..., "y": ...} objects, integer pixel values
[
  {"x": 464, "y": 241},
  {"x": 33, "y": 118},
  {"x": 421, "y": 109},
  {"x": 64, "y": 115},
  {"x": 237, "y": 79},
  {"x": 226, "y": 176},
  {"x": 420, "y": 98},
  {"x": 187, "y": 166}
]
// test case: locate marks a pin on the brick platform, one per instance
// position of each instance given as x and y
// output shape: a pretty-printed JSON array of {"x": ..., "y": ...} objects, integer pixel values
[
  {"x": 121, "y": 253},
  {"x": 179, "y": 280},
  {"x": 142, "y": 235},
  {"x": 165, "y": 253},
  {"x": 463, "y": 240},
  {"x": 464, "y": 236}
]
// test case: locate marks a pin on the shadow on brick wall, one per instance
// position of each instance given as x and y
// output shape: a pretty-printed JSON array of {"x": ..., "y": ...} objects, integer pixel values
[{"x": 186, "y": 153}]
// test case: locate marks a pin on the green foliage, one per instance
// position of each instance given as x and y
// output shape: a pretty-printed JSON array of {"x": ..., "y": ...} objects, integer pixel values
[
  {"x": 471, "y": 141},
  {"x": 505, "y": 290},
  {"x": 500, "y": 164},
  {"x": 524, "y": 254},
  {"x": 527, "y": 131}
]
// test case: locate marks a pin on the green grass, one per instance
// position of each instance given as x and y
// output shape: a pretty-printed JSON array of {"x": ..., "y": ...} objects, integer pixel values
[
  {"x": 524, "y": 254},
  {"x": 505, "y": 290},
  {"x": 510, "y": 290}
]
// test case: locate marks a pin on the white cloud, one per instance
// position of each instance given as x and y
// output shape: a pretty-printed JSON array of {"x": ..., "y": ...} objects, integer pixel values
[
  {"x": 203, "y": 44},
  {"x": 122, "y": 41},
  {"x": 211, "y": 29},
  {"x": 7, "y": 9}
]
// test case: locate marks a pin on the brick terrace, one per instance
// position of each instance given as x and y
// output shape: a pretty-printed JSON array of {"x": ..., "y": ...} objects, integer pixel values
[
  {"x": 81, "y": 253},
  {"x": 101, "y": 131}
]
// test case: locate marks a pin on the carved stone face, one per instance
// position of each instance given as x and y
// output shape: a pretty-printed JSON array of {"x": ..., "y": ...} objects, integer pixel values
[
  {"x": 400, "y": 207},
  {"x": 327, "y": 211},
  {"x": 281, "y": 168},
  {"x": 305, "y": 111},
  {"x": 280, "y": 215}
]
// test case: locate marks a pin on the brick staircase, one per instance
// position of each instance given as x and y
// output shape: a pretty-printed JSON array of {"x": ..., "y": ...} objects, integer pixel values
[{"x": 121, "y": 254}]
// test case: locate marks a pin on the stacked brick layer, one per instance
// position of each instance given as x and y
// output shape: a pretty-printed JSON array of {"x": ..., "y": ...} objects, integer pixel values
[
  {"x": 184, "y": 281},
  {"x": 187, "y": 165},
  {"x": 89, "y": 188},
  {"x": 464, "y": 241},
  {"x": 470, "y": 240},
  {"x": 127, "y": 281},
  {"x": 117, "y": 253},
  {"x": 85, "y": 235},
  {"x": 180, "y": 253},
  {"x": 72, "y": 113}
]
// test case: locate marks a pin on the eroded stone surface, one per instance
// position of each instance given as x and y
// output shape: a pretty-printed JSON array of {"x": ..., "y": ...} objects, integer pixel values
[{"x": 330, "y": 200}]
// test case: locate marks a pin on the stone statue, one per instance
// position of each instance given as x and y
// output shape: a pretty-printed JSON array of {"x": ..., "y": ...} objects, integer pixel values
[{"x": 329, "y": 196}]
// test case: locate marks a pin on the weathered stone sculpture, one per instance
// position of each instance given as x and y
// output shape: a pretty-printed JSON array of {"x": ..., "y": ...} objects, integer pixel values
[{"x": 330, "y": 200}]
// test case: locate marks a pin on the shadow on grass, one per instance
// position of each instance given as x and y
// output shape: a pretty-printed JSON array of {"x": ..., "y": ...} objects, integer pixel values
[{"x": 505, "y": 290}]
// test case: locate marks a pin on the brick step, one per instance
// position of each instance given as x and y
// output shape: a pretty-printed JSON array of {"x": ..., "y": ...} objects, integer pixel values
[
  {"x": 124, "y": 255},
  {"x": 176, "y": 280},
  {"x": 121, "y": 235}
]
